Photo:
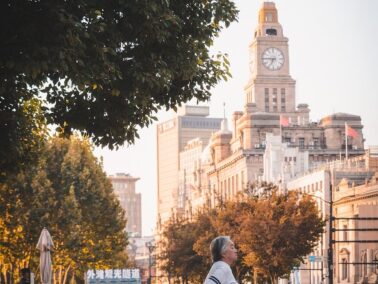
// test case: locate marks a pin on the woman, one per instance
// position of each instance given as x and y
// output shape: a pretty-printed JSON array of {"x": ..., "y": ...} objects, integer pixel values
[{"x": 223, "y": 253}]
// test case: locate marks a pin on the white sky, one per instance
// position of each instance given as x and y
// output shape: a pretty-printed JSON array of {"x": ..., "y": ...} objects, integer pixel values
[{"x": 333, "y": 48}]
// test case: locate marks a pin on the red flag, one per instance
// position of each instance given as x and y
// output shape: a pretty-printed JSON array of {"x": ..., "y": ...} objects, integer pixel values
[
  {"x": 284, "y": 121},
  {"x": 351, "y": 132}
]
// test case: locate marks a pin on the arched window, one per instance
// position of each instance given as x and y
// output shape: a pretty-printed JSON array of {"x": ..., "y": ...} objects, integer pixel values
[
  {"x": 344, "y": 269},
  {"x": 364, "y": 266},
  {"x": 344, "y": 256}
]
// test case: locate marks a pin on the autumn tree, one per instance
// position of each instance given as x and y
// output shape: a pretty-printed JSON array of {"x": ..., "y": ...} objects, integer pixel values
[
  {"x": 105, "y": 68},
  {"x": 227, "y": 222},
  {"x": 67, "y": 192},
  {"x": 177, "y": 255},
  {"x": 277, "y": 231},
  {"x": 185, "y": 244},
  {"x": 272, "y": 231}
]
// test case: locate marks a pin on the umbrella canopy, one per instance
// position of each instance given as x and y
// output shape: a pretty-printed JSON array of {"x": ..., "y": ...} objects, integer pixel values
[{"x": 45, "y": 245}]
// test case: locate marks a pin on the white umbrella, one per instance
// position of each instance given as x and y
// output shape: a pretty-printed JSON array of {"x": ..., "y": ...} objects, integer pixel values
[{"x": 45, "y": 244}]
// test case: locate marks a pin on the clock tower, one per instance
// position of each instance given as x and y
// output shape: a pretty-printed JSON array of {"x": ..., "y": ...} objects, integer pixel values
[{"x": 270, "y": 87}]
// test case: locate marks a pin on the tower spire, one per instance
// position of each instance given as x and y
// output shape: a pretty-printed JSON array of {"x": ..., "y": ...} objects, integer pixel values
[{"x": 224, "y": 126}]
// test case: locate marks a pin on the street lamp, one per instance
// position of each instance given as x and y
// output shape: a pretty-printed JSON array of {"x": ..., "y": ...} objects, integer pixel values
[
  {"x": 330, "y": 235},
  {"x": 150, "y": 247}
]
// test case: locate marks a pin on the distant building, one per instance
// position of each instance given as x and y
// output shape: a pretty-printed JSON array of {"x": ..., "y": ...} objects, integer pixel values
[
  {"x": 282, "y": 162},
  {"x": 141, "y": 251},
  {"x": 190, "y": 122},
  {"x": 124, "y": 188}
]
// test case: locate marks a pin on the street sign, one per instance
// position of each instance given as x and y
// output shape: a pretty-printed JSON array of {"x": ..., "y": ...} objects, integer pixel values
[
  {"x": 315, "y": 258},
  {"x": 113, "y": 276}
]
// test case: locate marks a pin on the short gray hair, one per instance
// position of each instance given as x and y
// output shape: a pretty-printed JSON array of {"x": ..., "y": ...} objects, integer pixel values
[{"x": 218, "y": 247}]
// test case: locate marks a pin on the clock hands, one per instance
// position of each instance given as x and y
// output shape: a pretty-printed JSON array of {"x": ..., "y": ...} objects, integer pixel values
[{"x": 272, "y": 58}]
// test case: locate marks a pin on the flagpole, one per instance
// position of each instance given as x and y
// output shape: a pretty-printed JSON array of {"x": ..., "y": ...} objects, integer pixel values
[{"x": 346, "y": 141}]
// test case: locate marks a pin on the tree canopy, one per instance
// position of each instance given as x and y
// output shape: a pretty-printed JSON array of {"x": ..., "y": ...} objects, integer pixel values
[
  {"x": 67, "y": 192},
  {"x": 104, "y": 68},
  {"x": 273, "y": 233},
  {"x": 277, "y": 231}
]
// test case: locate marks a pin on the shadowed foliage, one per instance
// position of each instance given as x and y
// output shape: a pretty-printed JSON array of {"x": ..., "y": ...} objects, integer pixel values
[{"x": 104, "y": 68}]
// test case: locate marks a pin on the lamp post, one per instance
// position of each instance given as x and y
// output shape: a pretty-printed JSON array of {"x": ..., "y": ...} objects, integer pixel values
[
  {"x": 330, "y": 240},
  {"x": 150, "y": 247}
]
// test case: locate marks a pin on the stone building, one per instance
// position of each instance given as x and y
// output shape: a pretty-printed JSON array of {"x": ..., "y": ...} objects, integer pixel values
[
  {"x": 354, "y": 194},
  {"x": 356, "y": 247},
  {"x": 235, "y": 157},
  {"x": 124, "y": 188}
]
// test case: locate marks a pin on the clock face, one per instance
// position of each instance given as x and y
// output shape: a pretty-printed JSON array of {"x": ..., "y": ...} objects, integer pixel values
[{"x": 273, "y": 58}]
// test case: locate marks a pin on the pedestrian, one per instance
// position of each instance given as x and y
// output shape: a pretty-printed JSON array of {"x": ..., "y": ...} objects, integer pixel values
[{"x": 223, "y": 254}]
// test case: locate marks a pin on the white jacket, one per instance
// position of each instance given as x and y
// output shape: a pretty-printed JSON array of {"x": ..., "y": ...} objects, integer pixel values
[{"x": 220, "y": 273}]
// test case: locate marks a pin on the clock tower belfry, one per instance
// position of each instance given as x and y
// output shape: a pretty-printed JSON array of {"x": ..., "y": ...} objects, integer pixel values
[{"x": 270, "y": 87}]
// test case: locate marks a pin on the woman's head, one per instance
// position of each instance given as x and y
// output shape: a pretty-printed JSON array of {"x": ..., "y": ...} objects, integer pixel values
[{"x": 222, "y": 248}]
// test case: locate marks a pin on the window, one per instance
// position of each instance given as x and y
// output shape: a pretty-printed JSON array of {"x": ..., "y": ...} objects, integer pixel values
[
  {"x": 364, "y": 266},
  {"x": 266, "y": 91},
  {"x": 229, "y": 187},
  {"x": 271, "y": 32},
  {"x": 242, "y": 179},
  {"x": 275, "y": 91},
  {"x": 283, "y": 108},
  {"x": 275, "y": 108},
  {"x": 344, "y": 269},
  {"x": 301, "y": 143},
  {"x": 345, "y": 232}
]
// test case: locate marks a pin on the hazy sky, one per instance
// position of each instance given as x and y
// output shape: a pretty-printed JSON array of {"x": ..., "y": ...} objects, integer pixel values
[{"x": 333, "y": 48}]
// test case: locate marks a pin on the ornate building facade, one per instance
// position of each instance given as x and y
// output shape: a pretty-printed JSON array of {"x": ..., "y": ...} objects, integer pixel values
[
  {"x": 236, "y": 157},
  {"x": 354, "y": 184}
]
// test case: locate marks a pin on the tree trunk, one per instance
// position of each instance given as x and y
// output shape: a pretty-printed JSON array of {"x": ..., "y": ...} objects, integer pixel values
[
  {"x": 60, "y": 275},
  {"x": 65, "y": 274},
  {"x": 273, "y": 279}
]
